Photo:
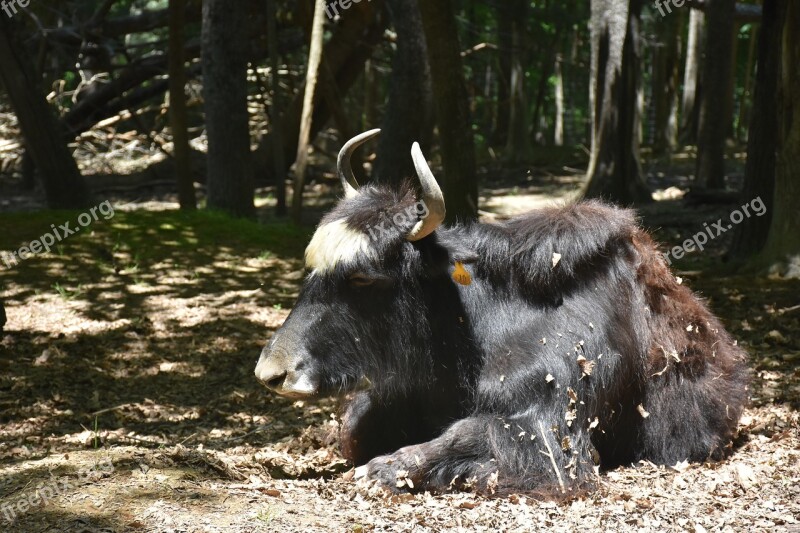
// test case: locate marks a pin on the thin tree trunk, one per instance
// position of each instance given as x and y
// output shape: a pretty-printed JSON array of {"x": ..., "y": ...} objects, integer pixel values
[
  {"x": 409, "y": 111},
  {"x": 230, "y": 179},
  {"x": 44, "y": 138},
  {"x": 352, "y": 43},
  {"x": 614, "y": 169},
  {"x": 714, "y": 113},
  {"x": 279, "y": 165},
  {"x": 452, "y": 109},
  {"x": 692, "y": 87},
  {"x": 558, "y": 137},
  {"x": 312, "y": 74},
  {"x": 178, "y": 114}
]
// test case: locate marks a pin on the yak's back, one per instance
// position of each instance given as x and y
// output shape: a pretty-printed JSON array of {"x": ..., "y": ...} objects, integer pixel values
[{"x": 553, "y": 249}]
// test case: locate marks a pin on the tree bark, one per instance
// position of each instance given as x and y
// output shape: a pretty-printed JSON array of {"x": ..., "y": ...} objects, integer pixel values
[
  {"x": 44, "y": 138},
  {"x": 230, "y": 180},
  {"x": 409, "y": 111},
  {"x": 312, "y": 74},
  {"x": 178, "y": 114},
  {"x": 692, "y": 86},
  {"x": 759, "y": 175},
  {"x": 614, "y": 169},
  {"x": 715, "y": 116}
]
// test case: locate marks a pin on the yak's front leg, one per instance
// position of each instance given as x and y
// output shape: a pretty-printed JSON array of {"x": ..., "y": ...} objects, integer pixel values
[
  {"x": 490, "y": 454},
  {"x": 373, "y": 426}
]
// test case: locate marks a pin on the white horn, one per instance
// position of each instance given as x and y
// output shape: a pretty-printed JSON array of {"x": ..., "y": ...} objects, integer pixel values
[
  {"x": 432, "y": 197},
  {"x": 344, "y": 165}
]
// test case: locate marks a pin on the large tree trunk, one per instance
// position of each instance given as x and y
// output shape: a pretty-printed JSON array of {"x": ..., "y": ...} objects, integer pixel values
[
  {"x": 230, "y": 180},
  {"x": 409, "y": 112},
  {"x": 178, "y": 114},
  {"x": 44, "y": 138},
  {"x": 783, "y": 243},
  {"x": 277, "y": 108},
  {"x": 715, "y": 116},
  {"x": 452, "y": 109},
  {"x": 759, "y": 175},
  {"x": 692, "y": 86},
  {"x": 614, "y": 169},
  {"x": 312, "y": 74}
]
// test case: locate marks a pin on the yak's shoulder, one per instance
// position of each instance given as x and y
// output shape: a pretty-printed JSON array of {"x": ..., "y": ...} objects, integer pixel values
[{"x": 556, "y": 246}]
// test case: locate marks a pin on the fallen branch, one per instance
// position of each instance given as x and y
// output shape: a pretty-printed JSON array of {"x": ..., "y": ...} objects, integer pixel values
[{"x": 552, "y": 457}]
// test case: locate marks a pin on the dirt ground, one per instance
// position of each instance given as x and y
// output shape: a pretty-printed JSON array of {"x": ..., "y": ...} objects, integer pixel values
[{"x": 128, "y": 402}]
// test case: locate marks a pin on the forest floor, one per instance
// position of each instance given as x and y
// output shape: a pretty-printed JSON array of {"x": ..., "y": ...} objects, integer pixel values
[{"x": 128, "y": 402}]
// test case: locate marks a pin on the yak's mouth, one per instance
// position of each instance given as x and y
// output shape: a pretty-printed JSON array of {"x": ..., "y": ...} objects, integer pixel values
[{"x": 295, "y": 384}]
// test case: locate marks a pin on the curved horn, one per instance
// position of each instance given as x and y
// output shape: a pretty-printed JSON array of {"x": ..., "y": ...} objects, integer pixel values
[
  {"x": 432, "y": 197},
  {"x": 344, "y": 165}
]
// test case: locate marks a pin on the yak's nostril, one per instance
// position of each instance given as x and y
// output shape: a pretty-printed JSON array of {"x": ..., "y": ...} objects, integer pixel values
[{"x": 276, "y": 382}]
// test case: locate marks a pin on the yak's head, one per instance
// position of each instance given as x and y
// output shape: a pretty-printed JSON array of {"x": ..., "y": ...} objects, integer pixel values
[{"x": 361, "y": 310}]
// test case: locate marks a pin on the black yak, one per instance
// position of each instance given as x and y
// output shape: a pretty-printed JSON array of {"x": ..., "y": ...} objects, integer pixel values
[{"x": 519, "y": 356}]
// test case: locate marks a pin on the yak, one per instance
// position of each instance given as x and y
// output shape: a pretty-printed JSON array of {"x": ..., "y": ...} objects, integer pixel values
[{"x": 518, "y": 356}]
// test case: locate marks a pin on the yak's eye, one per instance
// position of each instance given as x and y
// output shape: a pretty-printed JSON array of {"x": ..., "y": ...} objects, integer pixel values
[{"x": 361, "y": 280}]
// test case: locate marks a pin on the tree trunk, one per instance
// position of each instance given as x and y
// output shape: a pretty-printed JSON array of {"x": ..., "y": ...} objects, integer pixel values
[
  {"x": 715, "y": 116},
  {"x": 230, "y": 180},
  {"x": 44, "y": 138},
  {"x": 277, "y": 108},
  {"x": 409, "y": 111},
  {"x": 783, "y": 243},
  {"x": 614, "y": 169},
  {"x": 351, "y": 44},
  {"x": 692, "y": 86},
  {"x": 178, "y": 115},
  {"x": 759, "y": 175},
  {"x": 666, "y": 58},
  {"x": 312, "y": 74},
  {"x": 452, "y": 109}
]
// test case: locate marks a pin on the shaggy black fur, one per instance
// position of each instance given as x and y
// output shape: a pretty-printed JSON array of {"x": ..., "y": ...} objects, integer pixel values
[{"x": 532, "y": 375}]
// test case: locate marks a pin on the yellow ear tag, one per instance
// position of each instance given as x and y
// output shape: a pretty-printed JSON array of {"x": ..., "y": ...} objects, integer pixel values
[{"x": 461, "y": 276}]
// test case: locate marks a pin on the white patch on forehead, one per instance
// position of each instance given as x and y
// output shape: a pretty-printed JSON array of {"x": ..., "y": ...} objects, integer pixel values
[{"x": 335, "y": 243}]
